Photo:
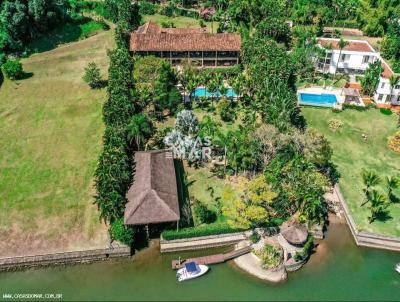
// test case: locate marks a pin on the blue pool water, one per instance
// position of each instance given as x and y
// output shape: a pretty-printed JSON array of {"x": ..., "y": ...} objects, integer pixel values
[
  {"x": 327, "y": 100},
  {"x": 202, "y": 91}
]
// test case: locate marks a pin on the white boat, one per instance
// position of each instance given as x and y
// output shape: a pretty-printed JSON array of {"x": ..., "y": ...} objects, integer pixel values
[
  {"x": 397, "y": 267},
  {"x": 191, "y": 270}
]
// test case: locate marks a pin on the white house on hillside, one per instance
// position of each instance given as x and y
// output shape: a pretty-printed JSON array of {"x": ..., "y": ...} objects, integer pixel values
[{"x": 354, "y": 59}]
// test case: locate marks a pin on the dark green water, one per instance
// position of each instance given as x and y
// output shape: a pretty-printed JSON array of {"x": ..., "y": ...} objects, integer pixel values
[{"x": 338, "y": 271}]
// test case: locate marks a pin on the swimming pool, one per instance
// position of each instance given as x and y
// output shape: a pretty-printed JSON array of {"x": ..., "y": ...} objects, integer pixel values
[
  {"x": 314, "y": 99},
  {"x": 203, "y": 92}
]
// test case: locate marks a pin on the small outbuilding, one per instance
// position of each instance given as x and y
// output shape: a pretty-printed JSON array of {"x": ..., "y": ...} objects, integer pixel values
[
  {"x": 153, "y": 196},
  {"x": 352, "y": 96},
  {"x": 294, "y": 233}
]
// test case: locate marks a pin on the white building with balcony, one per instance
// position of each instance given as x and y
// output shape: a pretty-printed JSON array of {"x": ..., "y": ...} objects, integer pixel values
[{"x": 354, "y": 59}]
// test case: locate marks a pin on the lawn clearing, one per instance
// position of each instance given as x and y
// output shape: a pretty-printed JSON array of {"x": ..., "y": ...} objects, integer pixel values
[
  {"x": 180, "y": 22},
  {"x": 351, "y": 153},
  {"x": 208, "y": 188},
  {"x": 50, "y": 132}
]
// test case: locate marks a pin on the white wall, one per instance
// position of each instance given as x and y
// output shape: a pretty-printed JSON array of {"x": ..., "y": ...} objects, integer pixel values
[
  {"x": 354, "y": 62},
  {"x": 385, "y": 91}
]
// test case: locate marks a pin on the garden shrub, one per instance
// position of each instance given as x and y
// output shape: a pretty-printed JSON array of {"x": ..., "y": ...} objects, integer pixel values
[
  {"x": 119, "y": 231},
  {"x": 203, "y": 214},
  {"x": 12, "y": 69},
  {"x": 168, "y": 10},
  {"x": 355, "y": 107},
  {"x": 386, "y": 111},
  {"x": 255, "y": 237},
  {"x": 92, "y": 76},
  {"x": 394, "y": 142},
  {"x": 335, "y": 124},
  {"x": 270, "y": 256},
  {"x": 307, "y": 249},
  {"x": 147, "y": 8},
  {"x": 203, "y": 230},
  {"x": 226, "y": 111},
  {"x": 167, "y": 24}
]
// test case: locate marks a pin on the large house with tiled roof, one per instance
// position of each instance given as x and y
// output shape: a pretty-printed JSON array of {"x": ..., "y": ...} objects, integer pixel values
[
  {"x": 354, "y": 59},
  {"x": 196, "y": 45}
]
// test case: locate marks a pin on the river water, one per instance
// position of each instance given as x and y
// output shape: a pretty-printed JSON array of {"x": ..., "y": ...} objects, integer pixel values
[{"x": 337, "y": 271}]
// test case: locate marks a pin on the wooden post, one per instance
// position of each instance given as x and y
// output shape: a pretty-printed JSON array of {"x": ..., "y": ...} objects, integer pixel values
[
  {"x": 177, "y": 225},
  {"x": 147, "y": 232}
]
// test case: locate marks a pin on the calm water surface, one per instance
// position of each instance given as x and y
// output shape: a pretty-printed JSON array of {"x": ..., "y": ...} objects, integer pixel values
[{"x": 338, "y": 271}]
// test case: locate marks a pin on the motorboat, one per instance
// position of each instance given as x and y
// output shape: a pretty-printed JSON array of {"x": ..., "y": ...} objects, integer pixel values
[
  {"x": 191, "y": 270},
  {"x": 397, "y": 267}
]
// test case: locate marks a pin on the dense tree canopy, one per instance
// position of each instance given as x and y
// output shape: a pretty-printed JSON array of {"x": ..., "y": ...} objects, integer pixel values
[{"x": 21, "y": 21}]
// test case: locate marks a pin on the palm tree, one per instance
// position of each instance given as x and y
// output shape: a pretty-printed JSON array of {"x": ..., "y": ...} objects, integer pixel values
[
  {"x": 370, "y": 179},
  {"x": 213, "y": 86},
  {"x": 222, "y": 140},
  {"x": 139, "y": 129},
  {"x": 378, "y": 205},
  {"x": 342, "y": 44},
  {"x": 392, "y": 183},
  {"x": 393, "y": 80},
  {"x": 328, "y": 48}
]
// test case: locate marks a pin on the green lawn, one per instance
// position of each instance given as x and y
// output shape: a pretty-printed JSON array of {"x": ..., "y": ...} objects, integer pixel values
[
  {"x": 352, "y": 153},
  {"x": 180, "y": 22},
  {"x": 50, "y": 132},
  {"x": 207, "y": 188}
]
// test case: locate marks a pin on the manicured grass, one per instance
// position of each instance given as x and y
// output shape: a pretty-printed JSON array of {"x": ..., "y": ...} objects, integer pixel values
[
  {"x": 352, "y": 153},
  {"x": 50, "y": 129},
  {"x": 208, "y": 188},
  {"x": 180, "y": 22}
]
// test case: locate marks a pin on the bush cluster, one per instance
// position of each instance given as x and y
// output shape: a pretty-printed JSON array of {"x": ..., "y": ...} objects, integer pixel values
[
  {"x": 203, "y": 213},
  {"x": 203, "y": 230},
  {"x": 119, "y": 231},
  {"x": 307, "y": 249},
  {"x": 12, "y": 69}
]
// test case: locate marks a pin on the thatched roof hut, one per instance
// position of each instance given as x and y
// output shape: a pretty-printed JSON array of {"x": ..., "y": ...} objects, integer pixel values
[
  {"x": 294, "y": 233},
  {"x": 153, "y": 196}
]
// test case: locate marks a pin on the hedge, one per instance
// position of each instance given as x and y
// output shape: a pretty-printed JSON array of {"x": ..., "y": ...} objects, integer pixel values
[
  {"x": 202, "y": 230},
  {"x": 359, "y": 108}
]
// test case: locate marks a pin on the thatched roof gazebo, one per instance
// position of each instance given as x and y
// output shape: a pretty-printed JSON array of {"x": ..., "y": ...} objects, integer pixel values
[
  {"x": 153, "y": 196},
  {"x": 294, "y": 233}
]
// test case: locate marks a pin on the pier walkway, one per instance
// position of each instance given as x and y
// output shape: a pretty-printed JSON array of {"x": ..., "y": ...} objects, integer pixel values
[{"x": 212, "y": 259}]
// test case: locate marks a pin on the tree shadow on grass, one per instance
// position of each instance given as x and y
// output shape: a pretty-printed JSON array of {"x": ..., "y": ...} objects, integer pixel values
[
  {"x": 66, "y": 33},
  {"x": 25, "y": 75},
  {"x": 183, "y": 195},
  {"x": 383, "y": 216}
]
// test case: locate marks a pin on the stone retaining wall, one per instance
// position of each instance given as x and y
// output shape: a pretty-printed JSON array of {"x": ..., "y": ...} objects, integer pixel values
[
  {"x": 16, "y": 263},
  {"x": 203, "y": 242},
  {"x": 365, "y": 238}
]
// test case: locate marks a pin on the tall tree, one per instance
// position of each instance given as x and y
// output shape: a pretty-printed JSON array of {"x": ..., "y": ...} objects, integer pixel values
[
  {"x": 393, "y": 81},
  {"x": 392, "y": 184},
  {"x": 140, "y": 129},
  {"x": 370, "y": 81},
  {"x": 378, "y": 205},
  {"x": 342, "y": 44},
  {"x": 370, "y": 179},
  {"x": 119, "y": 107}
]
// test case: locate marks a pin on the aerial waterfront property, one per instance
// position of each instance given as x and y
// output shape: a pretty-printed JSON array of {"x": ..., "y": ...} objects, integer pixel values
[{"x": 201, "y": 150}]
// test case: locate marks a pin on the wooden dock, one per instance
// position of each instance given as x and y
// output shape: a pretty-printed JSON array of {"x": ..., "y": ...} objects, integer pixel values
[{"x": 212, "y": 259}]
